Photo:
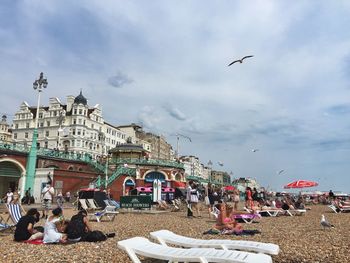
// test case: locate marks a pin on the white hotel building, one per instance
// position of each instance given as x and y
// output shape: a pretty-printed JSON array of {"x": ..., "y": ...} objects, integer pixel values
[{"x": 71, "y": 127}]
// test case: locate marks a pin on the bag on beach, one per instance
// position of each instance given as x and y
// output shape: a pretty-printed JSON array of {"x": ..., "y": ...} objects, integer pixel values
[{"x": 95, "y": 236}]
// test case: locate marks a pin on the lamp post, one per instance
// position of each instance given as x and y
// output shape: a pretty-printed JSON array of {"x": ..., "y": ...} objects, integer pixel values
[
  {"x": 60, "y": 120},
  {"x": 106, "y": 170},
  {"x": 38, "y": 85}
]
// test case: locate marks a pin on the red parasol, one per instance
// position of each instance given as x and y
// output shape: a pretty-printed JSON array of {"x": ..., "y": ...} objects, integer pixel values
[
  {"x": 229, "y": 188},
  {"x": 300, "y": 184}
]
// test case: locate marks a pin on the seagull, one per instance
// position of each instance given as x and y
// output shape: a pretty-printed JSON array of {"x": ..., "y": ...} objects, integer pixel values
[
  {"x": 255, "y": 150},
  {"x": 325, "y": 223},
  {"x": 280, "y": 171},
  {"x": 240, "y": 60},
  {"x": 221, "y": 163}
]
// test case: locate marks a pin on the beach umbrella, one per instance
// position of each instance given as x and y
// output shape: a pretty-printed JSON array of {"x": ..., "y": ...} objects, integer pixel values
[
  {"x": 300, "y": 184},
  {"x": 229, "y": 188}
]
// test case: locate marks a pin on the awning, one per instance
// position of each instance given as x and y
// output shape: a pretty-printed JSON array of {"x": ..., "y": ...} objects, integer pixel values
[{"x": 179, "y": 184}]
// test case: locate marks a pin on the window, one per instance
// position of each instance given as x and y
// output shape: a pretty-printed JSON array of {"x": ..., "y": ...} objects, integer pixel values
[
  {"x": 79, "y": 121},
  {"x": 75, "y": 111},
  {"x": 27, "y": 125},
  {"x": 79, "y": 132},
  {"x": 84, "y": 122},
  {"x": 74, "y": 121},
  {"x": 48, "y": 123},
  {"x": 47, "y": 133},
  {"x": 80, "y": 111},
  {"x": 16, "y": 126},
  {"x": 92, "y": 126},
  {"x": 54, "y": 113},
  {"x": 40, "y": 115},
  {"x": 73, "y": 131},
  {"x": 41, "y": 124},
  {"x": 46, "y": 145},
  {"x": 78, "y": 143},
  {"x": 26, "y": 135},
  {"x": 15, "y": 136}
]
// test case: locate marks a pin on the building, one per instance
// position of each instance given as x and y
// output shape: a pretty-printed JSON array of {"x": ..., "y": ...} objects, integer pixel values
[
  {"x": 5, "y": 131},
  {"x": 220, "y": 177},
  {"x": 71, "y": 127},
  {"x": 156, "y": 145}
]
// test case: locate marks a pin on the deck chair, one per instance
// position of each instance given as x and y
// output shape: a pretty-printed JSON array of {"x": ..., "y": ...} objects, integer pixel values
[
  {"x": 215, "y": 212},
  {"x": 165, "y": 237},
  {"x": 247, "y": 218},
  {"x": 143, "y": 247},
  {"x": 93, "y": 205},
  {"x": 15, "y": 212},
  {"x": 269, "y": 212},
  {"x": 110, "y": 207},
  {"x": 293, "y": 212},
  {"x": 84, "y": 205},
  {"x": 338, "y": 209}
]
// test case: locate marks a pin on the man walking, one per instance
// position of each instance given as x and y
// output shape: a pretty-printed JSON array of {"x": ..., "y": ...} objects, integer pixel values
[{"x": 47, "y": 194}]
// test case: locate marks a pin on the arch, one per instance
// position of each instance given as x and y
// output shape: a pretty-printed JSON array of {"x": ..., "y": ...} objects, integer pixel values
[
  {"x": 70, "y": 168},
  {"x": 150, "y": 176},
  {"x": 14, "y": 178},
  {"x": 127, "y": 188}
]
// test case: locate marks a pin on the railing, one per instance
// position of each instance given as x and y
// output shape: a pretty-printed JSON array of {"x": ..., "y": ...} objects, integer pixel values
[
  {"x": 155, "y": 162},
  {"x": 54, "y": 154},
  {"x": 14, "y": 147},
  {"x": 100, "y": 182}
]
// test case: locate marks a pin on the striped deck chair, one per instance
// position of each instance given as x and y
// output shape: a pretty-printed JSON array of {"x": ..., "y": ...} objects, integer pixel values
[{"x": 15, "y": 212}]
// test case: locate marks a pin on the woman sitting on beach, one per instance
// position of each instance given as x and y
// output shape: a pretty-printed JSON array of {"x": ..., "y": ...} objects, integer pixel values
[
  {"x": 25, "y": 227},
  {"x": 53, "y": 225},
  {"x": 78, "y": 227},
  {"x": 225, "y": 223}
]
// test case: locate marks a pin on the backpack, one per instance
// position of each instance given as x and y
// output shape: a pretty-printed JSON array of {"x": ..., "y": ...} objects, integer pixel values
[{"x": 95, "y": 236}]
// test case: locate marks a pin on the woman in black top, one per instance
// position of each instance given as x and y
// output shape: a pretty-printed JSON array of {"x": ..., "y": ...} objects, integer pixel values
[
  {"x": 78, "y": 227},
  {"x": 25, "y": 226}
]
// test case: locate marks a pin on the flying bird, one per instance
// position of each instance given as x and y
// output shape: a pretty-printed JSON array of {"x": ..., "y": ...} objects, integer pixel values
[
  {"x": 240, "y": 60},
  {"x": 221, "y": 163},
  {"x": 255, "y": 150},
  {"x": 325, "y": 223},
  {"x": 280, "y": 171}
]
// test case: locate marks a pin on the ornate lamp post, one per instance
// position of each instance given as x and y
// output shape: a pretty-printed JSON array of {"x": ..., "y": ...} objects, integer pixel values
[{"x": 38, "y": 85}]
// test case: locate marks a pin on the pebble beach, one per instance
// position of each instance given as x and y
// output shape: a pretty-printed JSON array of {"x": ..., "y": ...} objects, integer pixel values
[{"x": 301, "y": 238}]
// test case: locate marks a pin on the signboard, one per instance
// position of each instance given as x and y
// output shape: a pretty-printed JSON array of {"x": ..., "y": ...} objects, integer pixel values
[{"x": 135, "y": 201}]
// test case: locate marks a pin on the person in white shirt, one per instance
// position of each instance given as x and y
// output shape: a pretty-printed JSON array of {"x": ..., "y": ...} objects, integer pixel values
[
  {"x": 47, "y": 194},
  {"x": 9, "y": 196}
]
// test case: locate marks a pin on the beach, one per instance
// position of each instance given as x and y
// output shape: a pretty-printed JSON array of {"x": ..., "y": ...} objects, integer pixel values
[{"x": 301, "y": 238}]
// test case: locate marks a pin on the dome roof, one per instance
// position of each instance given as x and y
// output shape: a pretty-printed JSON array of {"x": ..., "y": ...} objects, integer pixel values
[{"x": 80, "y": 99}]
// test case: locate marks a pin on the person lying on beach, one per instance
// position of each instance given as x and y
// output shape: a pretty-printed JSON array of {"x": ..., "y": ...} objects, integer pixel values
[
  {"x": 53, "y": 225},
  {"x": 25, "y": 227},
  {"x": 226, "y": 223},
  {"x": 78, "y": 227}
]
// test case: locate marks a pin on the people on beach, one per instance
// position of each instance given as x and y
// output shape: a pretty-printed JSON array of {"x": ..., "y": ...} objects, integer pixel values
[
  {"x": 8, "y": 197},
  {"x": 25, "y": 227},
  {"x": 59, "y": 199},
  {"x": 54, "y": 224},
  {"x": 248, "y": 198},
  {"x": 235, "y": 199},
  {"x": 78, "y": 227},
  {"x": 226, "y": 223},
  {"x": 47, "y": 196},
  {"x": 211, "y": 198},
  {"x": 188, "y": 199},
  {"x": 194, "y": 199}
]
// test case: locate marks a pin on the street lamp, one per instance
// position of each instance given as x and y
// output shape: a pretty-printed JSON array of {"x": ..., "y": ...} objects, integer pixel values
[
  {"x": 106, "y": 169},
  {"x": 38, "y": 85}
]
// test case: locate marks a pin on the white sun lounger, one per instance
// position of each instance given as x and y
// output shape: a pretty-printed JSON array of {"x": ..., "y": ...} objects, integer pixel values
[
  {"x": 143, "y": 247},
  {"x": 165, "y": 237}
]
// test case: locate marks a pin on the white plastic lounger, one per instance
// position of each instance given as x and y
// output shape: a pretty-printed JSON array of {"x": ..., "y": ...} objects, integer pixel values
[
  {"x": 293, "y": 212},
  {"x": 165, "y": 237},
  {"x": 143, "y": 247}
]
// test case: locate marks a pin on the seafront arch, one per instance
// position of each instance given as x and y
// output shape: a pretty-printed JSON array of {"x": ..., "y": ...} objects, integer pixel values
[{"x": 12, "y": 174}]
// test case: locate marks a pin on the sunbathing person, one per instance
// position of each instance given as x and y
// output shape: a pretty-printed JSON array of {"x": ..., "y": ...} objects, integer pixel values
[
  {"x": 52, "y": 226},
  {"x": 25, "y": 227},
  {"x": 226, "y": 223}
]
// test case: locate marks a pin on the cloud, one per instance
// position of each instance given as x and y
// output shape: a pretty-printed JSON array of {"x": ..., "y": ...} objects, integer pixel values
[
  {"x": 175, "y": 112},
  {"x": 119, "y": 80}
]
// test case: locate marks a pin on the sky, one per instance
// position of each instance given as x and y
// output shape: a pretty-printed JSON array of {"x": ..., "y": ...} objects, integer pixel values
[{"x": 164, "y": 65}]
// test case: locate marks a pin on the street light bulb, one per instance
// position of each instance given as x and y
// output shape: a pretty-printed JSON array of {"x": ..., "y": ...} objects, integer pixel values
[{"x": 35, "y": 85}]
